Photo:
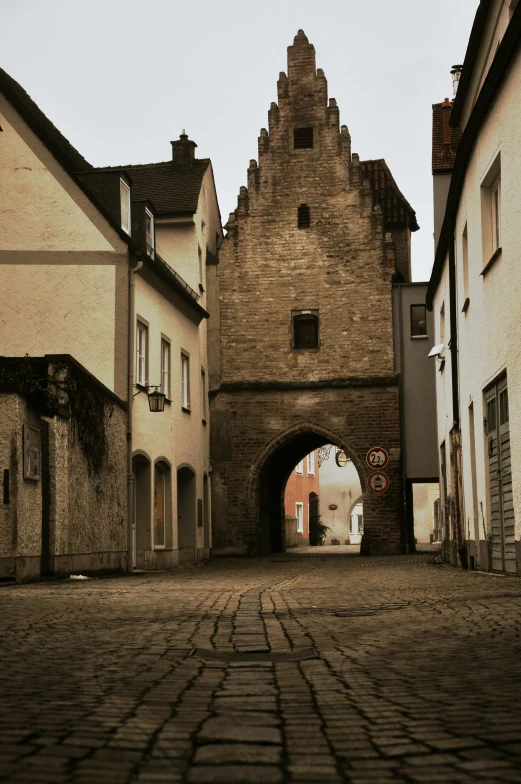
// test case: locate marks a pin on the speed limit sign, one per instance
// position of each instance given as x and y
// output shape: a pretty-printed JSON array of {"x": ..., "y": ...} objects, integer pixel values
[{"x": 377, "y": 457}]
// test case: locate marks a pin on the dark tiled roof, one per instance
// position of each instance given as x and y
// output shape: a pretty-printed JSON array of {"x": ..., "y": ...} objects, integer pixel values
[
  {"x": 173, "y": 188},
  {"x": 60, "y": 147},
  {"x": 395, "y": 207},
  {"x": 442, "y": 160}
]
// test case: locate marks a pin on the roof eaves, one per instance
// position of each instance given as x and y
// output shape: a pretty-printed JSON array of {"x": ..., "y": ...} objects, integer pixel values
[
  {"x": 488, "y": 93},
  {"x": 165, "y": 271},
  {"x": 470, "y": 60}
]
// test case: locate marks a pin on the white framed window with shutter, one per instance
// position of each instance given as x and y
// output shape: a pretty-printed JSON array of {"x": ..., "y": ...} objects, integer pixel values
[
  {"x": 165, "y": 367},
  {"x": 141, "y": 353},
  {"x": 185, "y": 380}
]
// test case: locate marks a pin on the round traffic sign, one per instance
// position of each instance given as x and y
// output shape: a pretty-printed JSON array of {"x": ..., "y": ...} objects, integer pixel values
[
  {"x": 378, "y": 482},
  {"x": 377, "y": 457}
]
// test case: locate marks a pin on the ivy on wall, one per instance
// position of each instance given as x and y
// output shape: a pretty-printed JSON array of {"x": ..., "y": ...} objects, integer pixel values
[{"x": 64, "y": 389}]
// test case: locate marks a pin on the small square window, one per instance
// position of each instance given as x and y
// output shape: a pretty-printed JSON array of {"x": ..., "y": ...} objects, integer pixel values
[
  {"x": 303, "y": 138},
  {"x": 305, "y": 331},
  {"x": 418, "y": 321},
  {"x": 124, "y": 193},
  {"x": 32, "y": 469}
]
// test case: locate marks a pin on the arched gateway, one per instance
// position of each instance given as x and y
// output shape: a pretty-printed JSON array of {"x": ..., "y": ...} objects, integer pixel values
[{"x": 301, "y": 344}]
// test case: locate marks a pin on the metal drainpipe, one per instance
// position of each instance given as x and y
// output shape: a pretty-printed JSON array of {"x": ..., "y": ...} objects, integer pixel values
[
  {"x": 134, "y": 266},
  {"x": 402, "y": 422}
]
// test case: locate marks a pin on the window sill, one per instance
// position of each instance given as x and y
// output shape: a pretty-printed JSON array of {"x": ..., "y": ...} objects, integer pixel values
[
  {"x": 304, "y": 348},
  {"x": 465, "y": 305},
  {"x": 186, "y": 410},
  {"x": 204, "y": 422},
  {"x": 495, "y": 256},
  {"x": 201, "y": 288},
  {"x": 419, "y": 337},
  {"x": 141, "y": 387}
]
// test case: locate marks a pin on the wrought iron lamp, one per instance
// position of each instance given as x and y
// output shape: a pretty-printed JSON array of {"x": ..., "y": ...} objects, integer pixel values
[{"x": 156, "y": 399}]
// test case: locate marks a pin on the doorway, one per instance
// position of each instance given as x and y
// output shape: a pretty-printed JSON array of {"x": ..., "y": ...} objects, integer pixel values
[
  {"x": 501, "y": 502},
  {"x": 186, "y": 513},
  {"x": 142, "y": 509}
]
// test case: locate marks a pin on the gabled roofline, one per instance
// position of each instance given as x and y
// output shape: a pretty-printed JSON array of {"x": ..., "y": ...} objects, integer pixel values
[
  {"x": 75, "y": 165},
  {"x": 487, "y": 95},
  {"x": 471, "y": 54}
]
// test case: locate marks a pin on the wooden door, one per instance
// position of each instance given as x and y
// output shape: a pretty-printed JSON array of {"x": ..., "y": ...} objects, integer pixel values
[{"x": 500, "y": 479}]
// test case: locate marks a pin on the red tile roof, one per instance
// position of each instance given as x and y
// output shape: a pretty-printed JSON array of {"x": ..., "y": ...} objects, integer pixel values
[{"x": 395, "y": 207}]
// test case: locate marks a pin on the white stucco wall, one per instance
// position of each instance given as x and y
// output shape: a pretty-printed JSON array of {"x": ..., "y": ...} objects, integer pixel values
[
  {"x": 340, "y": 487},
  {"x": 62, "y": 267},
  {"x": 490, "y": 331}
]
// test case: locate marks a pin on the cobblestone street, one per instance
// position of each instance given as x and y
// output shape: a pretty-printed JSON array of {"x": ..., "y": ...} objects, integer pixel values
[{"x": 312, "y": 666}]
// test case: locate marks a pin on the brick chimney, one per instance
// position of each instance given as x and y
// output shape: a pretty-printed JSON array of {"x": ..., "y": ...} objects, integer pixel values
[{"x": 183, "y": 149}]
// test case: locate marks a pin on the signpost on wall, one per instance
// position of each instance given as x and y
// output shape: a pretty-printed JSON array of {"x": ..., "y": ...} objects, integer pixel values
[
  {"x": 378, "y": 482},
  {"x": 377, "y": 457}
]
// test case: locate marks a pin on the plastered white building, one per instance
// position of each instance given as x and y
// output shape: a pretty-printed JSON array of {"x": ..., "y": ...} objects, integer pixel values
[{"x": 474, "y": 293}]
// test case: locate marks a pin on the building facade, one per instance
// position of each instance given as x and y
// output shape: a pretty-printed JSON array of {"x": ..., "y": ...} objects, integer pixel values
[
  {"x": 302, "y": 494},
  {"x": 301, "y": 347},
  {"x": 473, "y": 293},
  {"x": 83, "y": 277}
]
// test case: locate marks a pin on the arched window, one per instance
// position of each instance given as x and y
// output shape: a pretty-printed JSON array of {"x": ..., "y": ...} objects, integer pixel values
[
  {"x": 303, "y": 217},
  {"x": 305, "y": 330}
]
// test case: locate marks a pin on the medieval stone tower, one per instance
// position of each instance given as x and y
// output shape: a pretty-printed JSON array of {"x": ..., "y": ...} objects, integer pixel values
[{"x": 301, "y": 330}]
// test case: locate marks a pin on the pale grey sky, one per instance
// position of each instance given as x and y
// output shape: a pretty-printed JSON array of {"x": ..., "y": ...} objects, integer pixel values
[{"x": 121, "y": 78}]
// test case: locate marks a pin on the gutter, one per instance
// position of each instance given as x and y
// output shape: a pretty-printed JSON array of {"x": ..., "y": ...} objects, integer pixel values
[
  {"x": 132, "y": 270},
  {"x": 497, "y": 72}
]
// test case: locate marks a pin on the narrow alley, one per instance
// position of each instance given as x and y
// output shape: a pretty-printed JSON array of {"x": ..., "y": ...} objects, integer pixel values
[{"x": 312, "y": 666}]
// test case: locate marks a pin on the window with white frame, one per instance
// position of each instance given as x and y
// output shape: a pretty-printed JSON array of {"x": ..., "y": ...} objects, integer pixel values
[
  {"x": 311, "y": 464},
  {"x": 141, "y": 353},
  {"x": 496, "y": 213},
  {"x": 124, "y": 193},
  {"x": 149, "y": 232},
  {"x": 299, "y": 514},
  {"x": 203, "y": 394},
  {"x": 491, "y": 211},
  {"x": 185, "y": 380},
  {"x": 32, "y": 468},
  {"x": 165, "y": 367},
  {"x": 299, "y": 468}
]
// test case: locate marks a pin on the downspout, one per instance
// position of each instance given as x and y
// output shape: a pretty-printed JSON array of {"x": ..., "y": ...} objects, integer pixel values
[
  {"x": 403, "y": 451},
  {"x": 456, "y": 438},
  {"x": 134, "y": 266}
]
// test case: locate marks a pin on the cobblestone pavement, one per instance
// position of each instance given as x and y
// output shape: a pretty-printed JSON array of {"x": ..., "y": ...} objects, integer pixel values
[{"x": 417, "y": 678}]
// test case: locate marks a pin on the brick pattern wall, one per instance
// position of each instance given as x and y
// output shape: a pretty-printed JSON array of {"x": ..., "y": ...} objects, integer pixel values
[{"x": 342, "y": 268}]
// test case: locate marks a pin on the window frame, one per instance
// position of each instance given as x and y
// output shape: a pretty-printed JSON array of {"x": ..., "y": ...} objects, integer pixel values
[
  {"x": 32, "y": 452},
  {"x": 310, "y": 464},
  {"x": 204, "y": 403},
  {"x": 141, "y": 325},
  {"x": 166, "y": 389},
  {"x": 301, "y": 316},
  {"x": 303, "y": 216},
  {"x": 299, "y": 468},
  {"x": 124, "y": 187},
  {"x": 300, "y": 530},
  {"x": 185, "y": 382},
  {"x": 418, "y": 336},
  {"x": 150, "y": 247},
  {"x": 491, "y": 214},
  {"x": 495, "y": 213},
  {"x": 300, "y": 145}
]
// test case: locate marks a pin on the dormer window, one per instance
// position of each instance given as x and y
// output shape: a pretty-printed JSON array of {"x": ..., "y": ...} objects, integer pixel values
[
  {"x": 303, "y": 138},
  {"x": 149, "y": 232},
  {"x": 124, "y": 192}
]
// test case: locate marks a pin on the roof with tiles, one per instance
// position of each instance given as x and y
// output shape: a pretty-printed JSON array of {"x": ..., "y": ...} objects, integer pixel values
[
  {"x": 443, "y": 156},
  {"x": 172, "y": 187},
  {"x": 395, "y": 207}
]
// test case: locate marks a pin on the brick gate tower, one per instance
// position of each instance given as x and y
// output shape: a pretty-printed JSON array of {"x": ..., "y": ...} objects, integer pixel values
[{"x": 301, "y": 328}]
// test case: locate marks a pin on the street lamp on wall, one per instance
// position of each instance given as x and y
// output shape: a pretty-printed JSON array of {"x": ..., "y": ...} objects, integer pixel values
[{"x": 156, "y": 399}]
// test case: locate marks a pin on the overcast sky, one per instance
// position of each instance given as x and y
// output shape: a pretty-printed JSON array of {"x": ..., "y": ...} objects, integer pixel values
[{"x": 121, "y": 78}]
